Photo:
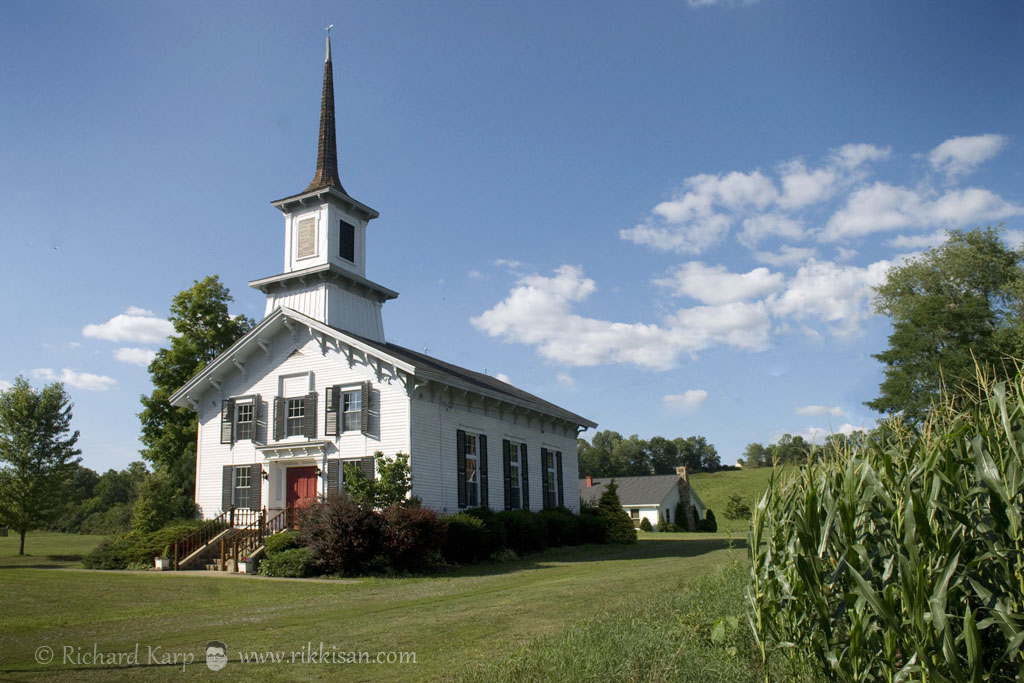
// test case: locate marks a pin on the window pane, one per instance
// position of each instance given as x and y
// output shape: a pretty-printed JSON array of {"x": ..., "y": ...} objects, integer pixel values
[
  {"x": 352, "y": 409},
  {"x": 347, "y": 242},
  {"x": 243, "y": 421},
  {"x": 295, "y": 424}
]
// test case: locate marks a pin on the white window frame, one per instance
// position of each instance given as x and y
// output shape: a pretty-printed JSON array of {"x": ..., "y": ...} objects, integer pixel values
[
  {"x": 472, "y": 485},
  {"x": 245, "y": 402},
  {"x": 239, "y": 471},
  {"x": 288, "y": 417},
  {"x": 515, "y": 450},
  {"x": 358, "y": 412}
]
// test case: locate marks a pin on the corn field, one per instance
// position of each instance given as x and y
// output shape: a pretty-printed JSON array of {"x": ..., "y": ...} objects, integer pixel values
[{"x": 902, "y": 560}]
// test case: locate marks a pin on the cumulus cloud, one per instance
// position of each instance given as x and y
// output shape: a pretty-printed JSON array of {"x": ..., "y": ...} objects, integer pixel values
[
  {"x": 787, "y": 256},
  {"x": 821, "y": 410},
  {"x": 502, "y": 377},
  {"x": 716, "y": 285},
  {"x": 134, "y": 325},
  {"x": 707, "y": 206},
  {"x": 566, "y": 380},
  {"x": 538, "y": 312},
  {"x": 963, "y": 154},
  {"x": 135, "y": 356},
  {"x": 881, "y": 207},
  {"x": 685, "y": 402},
  {"x": 923, "y": 241},
  {"x": 5, "y": 385},
  {"x": 79, "y": 380},
  {"x": 839, "y": 295}
]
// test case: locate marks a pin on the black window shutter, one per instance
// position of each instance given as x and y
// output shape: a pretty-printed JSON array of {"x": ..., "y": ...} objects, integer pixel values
[
  {"x": 257, "y": 407},
  {"x": 279, "y": 415},
  {"x": 460, "y": 466},
  {"x": 256, "y": 487},
  {"x": 333, "y": 409},
  {"x": 506, "y": 447},
  {"x": 558, "y": 473},
  {"x": 309, "y": 416},
  {"x": 482, "y": 459},
  {"x": 227, "y": 420},
  {"x": 364, "y": 417},
  {"x": 333, "y": 477},
  {"x": 525, "y": 473},
  {"x": 228, "y": 488},
  {"x": 366, "y": 465}
]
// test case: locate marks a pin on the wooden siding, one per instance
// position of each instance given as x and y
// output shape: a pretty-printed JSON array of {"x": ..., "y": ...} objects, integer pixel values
[
  {"x": 435, "y": 421},
  {"x": 388, "y": 428}
]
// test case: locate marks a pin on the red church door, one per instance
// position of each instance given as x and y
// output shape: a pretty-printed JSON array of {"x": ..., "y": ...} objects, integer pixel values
[{"x": 301, "y": 488}]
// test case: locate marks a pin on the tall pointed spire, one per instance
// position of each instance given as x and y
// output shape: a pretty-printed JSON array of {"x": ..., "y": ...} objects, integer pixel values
[{"x": 327, "y": 148}]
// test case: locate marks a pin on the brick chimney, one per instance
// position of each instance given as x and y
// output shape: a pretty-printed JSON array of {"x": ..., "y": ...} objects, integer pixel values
[
  {"x": 684, "y": 473},
  {"x": 590, "y": 481}
]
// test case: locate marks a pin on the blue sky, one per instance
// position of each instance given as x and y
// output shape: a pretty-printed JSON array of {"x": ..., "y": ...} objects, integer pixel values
[{"x": 665, "y": 216}]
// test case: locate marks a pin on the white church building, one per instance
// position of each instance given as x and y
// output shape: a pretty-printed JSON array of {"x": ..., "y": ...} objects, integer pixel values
[{"x": 316, "y": 384}]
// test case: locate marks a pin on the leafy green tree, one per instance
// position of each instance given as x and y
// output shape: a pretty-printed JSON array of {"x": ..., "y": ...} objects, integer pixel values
[
  {"x": 633, "y": 452},
  {"x": 697, "y": 454},
  {"x": 737, "y": 508},
  {"x": 37, "y": 455},
  {"x": 955, "y": 305},
  {"x": 391, "y": 486},
  {"x": 755, "y": 455},
  {"x": 664, "y": 455},
  {"x": 203, "y": 328},
  {"x": 598, "y": 458}
]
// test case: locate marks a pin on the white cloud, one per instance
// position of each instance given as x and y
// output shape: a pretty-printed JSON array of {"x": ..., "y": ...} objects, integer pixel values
[
  {"x": 79, "y": 380},
  {"x": 1014, "y": 238},
  {"x": 786, "y": 256},
  {"x": 853, "y": 155},
  {"x": 801, "y": 186},
  {"x": 844, "y": 254},
  {"x": 963, "y": 154},
  {"x": 507, "y": 263},
  {"x": 838, "y": 295},
  {"x": 538, "y": 311},
  {"x": 135, "y": 356},
  {"x": 685, "y": 402},
  {"x": 475, "y": 275},
  {"x": 923, "y": 241},
  {"x": 566, "y": 380},
  {"x": 74, "y": 345},
  {"x": 715, "y": 285},
  {"x": 134, "y": 325},
  {"x": 821, "y": 410},
  {"x": 762, "y": 226},
  {"x": 502, "y": 377},
  {"x": 882, "y": 207},
  {"x": 5, "y": 385}
]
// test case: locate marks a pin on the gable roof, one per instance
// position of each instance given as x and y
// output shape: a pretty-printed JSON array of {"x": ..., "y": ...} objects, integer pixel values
[
  {"x": 649, "y": 490},
  {"x": 413, "y": 364}
]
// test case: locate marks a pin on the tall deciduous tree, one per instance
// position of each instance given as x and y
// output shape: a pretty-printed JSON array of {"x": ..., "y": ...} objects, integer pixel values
[
  {"x": 204, "y": 327},
  {"x": 956, "y": 304},
  {"x": 37, "y": 455}
]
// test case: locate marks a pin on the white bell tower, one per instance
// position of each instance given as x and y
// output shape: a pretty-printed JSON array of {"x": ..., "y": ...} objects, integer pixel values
[{"x": 325, "y": 244}]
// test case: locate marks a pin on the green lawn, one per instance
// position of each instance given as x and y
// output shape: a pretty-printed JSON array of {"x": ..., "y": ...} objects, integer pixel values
[
  {"x": 455, "y": 623},
  {"x": 714, "y": 488},
  {"x": 46, "y": 549}
]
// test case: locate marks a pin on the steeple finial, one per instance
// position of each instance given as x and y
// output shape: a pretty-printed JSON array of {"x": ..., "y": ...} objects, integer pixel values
[{"x": 327, "y": 148}]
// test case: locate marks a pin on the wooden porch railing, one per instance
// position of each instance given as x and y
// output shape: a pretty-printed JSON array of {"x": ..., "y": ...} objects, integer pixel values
[
  {"x": 251, "y": 538},
  {"x": 229, "y": 519}
]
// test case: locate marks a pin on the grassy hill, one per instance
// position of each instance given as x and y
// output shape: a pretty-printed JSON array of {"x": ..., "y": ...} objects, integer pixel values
[{"x": 714, "y": 489}]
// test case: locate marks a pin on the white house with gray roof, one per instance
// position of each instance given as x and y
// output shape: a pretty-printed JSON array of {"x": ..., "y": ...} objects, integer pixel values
[
  {"x": 315, "y": 384},
  {"x": 652, "y": 497}
]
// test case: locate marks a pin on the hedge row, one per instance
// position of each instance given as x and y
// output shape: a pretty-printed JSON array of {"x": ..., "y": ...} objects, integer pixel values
[{"x": 137, "y": 549}]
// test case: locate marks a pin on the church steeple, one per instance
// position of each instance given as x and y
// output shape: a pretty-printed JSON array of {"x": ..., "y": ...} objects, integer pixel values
[{"x": 327, "y": 147}]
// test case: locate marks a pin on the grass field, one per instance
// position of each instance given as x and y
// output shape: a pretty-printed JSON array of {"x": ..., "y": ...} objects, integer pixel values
[
  {"x": 46, "y": 549},
  {"x": 714, "y": 489},
  {"x": 455, "y": 623}
]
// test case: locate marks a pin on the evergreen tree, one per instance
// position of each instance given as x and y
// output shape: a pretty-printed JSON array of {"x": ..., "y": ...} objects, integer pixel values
[{"x": 620, "y": 526}]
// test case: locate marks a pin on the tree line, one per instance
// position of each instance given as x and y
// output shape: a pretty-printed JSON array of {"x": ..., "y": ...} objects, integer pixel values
[{"x": 609, "y": 454}]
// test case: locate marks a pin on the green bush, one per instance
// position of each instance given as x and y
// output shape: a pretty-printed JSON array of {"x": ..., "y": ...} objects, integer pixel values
[
  {"x": 495, "y": 536},
  {"x": 593, "y": 525},
  {"x": 708, "y": 523},
  {"x": 900, "y": 559},
  {"x": 292, "y": 563},
  {"x": 563, "y": 527},
  {"x": 286, "y": 540},
  {"x": 526, "y": 532},
  {"x": 137, "y": 548},
  {"x": 682, "y": 516},
  {"x": 620, "y": 527},
  {"x": 645, "y": 525},
  {"x": 464, "y": 539}
]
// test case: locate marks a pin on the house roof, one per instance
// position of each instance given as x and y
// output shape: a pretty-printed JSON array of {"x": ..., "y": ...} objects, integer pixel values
[
  {"x": 649, "y": 490},
  {"x": 413, "y": 365}
]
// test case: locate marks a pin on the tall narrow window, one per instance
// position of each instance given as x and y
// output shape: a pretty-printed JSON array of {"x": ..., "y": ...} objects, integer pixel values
[
  {"x": 296, "y": 417},
  {"x": 243, "y": 421},
  {"x": 243, "y": 487},
  {"x": 352, "y": 410},
  {"x": 347, "y": 242},
  {"x": 472, "y": 472},
  {"x": 515, "y": 497}
]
